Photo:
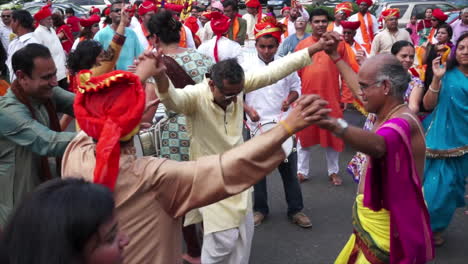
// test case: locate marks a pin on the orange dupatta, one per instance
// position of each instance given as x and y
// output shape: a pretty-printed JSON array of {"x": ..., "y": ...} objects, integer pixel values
[
  {"x": 346, "y": 93},
  {"x": 3, "y": 87},
  {"x": 183, "y": 38},
  {"x": 431, "y": 35},
  {"x": 331, "y": 26},
  {"x": 235, "y": 28},
  {"x": 286, "y": 22},
  {"x": 367, "y": 33}
]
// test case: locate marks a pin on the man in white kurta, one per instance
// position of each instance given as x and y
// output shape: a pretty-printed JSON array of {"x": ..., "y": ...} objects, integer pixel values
[{"x": 214, "y": 121}]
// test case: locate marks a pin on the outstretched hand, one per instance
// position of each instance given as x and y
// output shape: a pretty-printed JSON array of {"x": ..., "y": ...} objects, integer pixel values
[
  {"x": 308, "y": 110},
  {"x": 150, "y": 64},
  {"x": 438, "y": 67}
]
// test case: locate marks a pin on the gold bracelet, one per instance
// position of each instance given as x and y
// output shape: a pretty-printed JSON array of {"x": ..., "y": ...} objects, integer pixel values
[
  {"x": 433, "y": 90},
  {"x": 287, "y": 128}
]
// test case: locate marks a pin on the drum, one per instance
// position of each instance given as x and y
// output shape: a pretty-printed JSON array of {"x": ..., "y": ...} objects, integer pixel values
[
  {"x": 148, "y": 141},
  {"x": 288, "y": 146}
]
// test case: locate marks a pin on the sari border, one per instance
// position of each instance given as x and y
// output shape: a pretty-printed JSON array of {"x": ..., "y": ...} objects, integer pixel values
[{"x": 448, "y": 153}]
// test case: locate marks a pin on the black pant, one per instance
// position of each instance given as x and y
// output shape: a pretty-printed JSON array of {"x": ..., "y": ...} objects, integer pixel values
[{"x": 292, "y": 189}]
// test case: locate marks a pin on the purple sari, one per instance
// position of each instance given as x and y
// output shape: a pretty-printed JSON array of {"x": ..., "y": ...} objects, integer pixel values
[{"x": 392, "y": 182}]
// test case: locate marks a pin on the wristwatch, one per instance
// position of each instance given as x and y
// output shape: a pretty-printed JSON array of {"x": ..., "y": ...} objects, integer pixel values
[{"x": 341, "y": 128}]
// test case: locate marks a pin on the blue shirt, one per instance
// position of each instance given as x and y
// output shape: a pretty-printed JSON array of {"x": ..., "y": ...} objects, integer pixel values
[
  {"x": 131, "y": 49},
  {"x": 289, "y": 44}
]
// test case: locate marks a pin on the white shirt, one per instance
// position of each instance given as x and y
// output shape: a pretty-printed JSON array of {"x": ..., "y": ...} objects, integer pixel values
[
  {"x": 207, "y": 32},
  {"x": 48, "y": 38},
  {"x": 291, "y": 27},
  {"x": 227, "y": 49},
  {"x": 375, "y": 27},
  {"x": 190, "y": 41},
  {"x": 383, "y": 41},
  {"x": 5, "y": 32},
  {"x": 15, "y": 45},
  {"x": 251, "y": 21},
  {"x": 136, "y": 26},
  {"x": 267, "y": 101}
]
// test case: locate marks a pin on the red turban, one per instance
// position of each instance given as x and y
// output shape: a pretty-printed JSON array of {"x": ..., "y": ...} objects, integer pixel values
[
  {"x": 391, "y": 12},
  {"x": 368, "y": 2},
  {"x": 253, "y": 3},
  {"x": 109, "y": 109},
  {"x": 191, "y": 22},
  {"x": 439, "y": 15},
  {"x": 174, "y": 7},
  {"x": 345, "y": 7},
  {"x": 108, "y": 10},
  {"x": 269, "y": 26},
  {"x": 94, "y": 10},
  {"x": 43, "y": 13},
  {"x": 219, "y": 23},
  {"x": 286, "y": 8},
  {"x": 207, "y": 14},
  {"x": 94, "y": 19},
  {"x": 350, "y": 25},
  {"x": 146, "y": 7}
]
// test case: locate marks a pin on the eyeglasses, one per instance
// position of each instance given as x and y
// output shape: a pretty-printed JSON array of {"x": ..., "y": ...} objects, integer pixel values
[
  {"x": 365, "y": 86},
  {"x": 6, "y": 16},
  {"x": 117, "y": 10}
]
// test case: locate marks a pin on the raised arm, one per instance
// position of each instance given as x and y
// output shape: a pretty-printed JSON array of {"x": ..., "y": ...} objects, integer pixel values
[
  {"x": 432, "y": 95},
  {"x": 181, "y": 186}
]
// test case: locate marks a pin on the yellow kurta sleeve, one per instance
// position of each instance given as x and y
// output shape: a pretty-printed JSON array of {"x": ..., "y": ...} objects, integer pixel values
[
  {"x": 113, "y": 53},
  {"x": 182, "y": 101},
  {"x": 182, "y": 186},
  {"x": 276, "y": 70}
]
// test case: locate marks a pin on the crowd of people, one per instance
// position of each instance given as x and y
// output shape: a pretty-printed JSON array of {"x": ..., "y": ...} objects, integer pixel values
[{"x": 225, "y": 99}]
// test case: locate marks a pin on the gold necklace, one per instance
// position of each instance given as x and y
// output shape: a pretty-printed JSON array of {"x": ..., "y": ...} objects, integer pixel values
[{"x": 393, "y": 111}]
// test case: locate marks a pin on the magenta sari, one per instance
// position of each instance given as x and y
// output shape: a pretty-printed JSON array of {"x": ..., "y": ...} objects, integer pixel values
[{"x": 392, "y": 182}]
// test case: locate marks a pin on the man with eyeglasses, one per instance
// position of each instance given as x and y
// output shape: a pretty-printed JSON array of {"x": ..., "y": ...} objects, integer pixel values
[
  {"x": 5, "y": 29},
  {"x": 349, "y": 32},
  {"x": 132, "y": 47},
  {"x": 214, "y": 114},
  {"x": 384, "y": 40}
]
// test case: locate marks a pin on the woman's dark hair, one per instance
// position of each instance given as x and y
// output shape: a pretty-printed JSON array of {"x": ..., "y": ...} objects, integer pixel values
[
  {"x": 397, "y": 46},
  {"x": 54, "y": 223},
  {"x": 228, "y": 70},
  {"x": 165, "y": 27},
  {"x": 24, "y": 18},
  {"x": 23, "y": 59},
  {"x": 452, "y": 62},
  {"x": 57, "y": 20},
  {"x": 448, "y": 28},
  {"x": 70, "y": 10},
  {"x": 86, "y": 33},
  {"x": 84, "y": 56}
]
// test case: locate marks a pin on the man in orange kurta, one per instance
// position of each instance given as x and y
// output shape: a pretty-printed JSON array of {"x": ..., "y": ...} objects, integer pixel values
[{"x": 323, "y": 78}]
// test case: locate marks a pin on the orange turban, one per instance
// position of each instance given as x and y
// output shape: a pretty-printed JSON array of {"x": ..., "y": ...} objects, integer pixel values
[
  {"x": 368, "y": 2},
  {"x": 269, "y": 26},
  {"x": 94, "y": 19},
  {"x": 353, "y": 25},
  {"x": 43, "y": 13},
  {"x": 439, "y": 15},
  {"x": 345, "y": 7},
  {"x": 191, "y": 23},
  {"x": 109, "y": 109},
  {"x": 391, "y": 12},
  {"x": 146, "y": 7}
]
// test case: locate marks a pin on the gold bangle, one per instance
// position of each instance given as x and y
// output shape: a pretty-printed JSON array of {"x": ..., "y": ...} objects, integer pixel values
[
  {"x": 287, "y": 128},
  {"x": 433, "y": 90}
]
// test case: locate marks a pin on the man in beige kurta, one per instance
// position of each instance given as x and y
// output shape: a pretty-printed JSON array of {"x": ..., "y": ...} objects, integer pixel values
[{"x": 151, "y": 194}]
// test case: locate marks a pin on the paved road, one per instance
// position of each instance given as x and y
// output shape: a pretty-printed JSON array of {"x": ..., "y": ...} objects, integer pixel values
[{"x": 277, "y": 241}]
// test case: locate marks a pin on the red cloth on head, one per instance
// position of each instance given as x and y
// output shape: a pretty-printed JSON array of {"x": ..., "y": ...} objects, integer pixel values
[
  {"x": 108, "y": 107},
  {"x": 220, "y": 25},
  {"x": 391, "y": 12},
  {"x": 369, "y": 2},
  {"x": 89, "y": 22},
  {"x": 174, "y": 7},
  {"x": 345, "y": 7},
  {"x": 253, "y": 3},
  {"x": 107, "y": 11},
  {"x": 269, "y": 26},
  {"x": 286, "y": 8},
  {"x": 353, "y": 25},
  {"x": 191, "y": 23},
  {"x": 439, "y": 15},
  {"x": 146, "y": 7},
  {"x": 94, "y": 10},
  {"x": 43, "y": 13}
]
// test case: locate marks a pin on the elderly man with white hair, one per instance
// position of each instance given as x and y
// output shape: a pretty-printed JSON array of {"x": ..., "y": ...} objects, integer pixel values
[{"x": 460, "y": 26}]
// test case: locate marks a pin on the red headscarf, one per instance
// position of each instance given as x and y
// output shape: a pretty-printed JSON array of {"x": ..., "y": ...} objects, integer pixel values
[
  {"x": 439, "y": 15},
  {"x": 269, "y": 26},
  {"x": 108, "y": 10},
  {"x": 353, "y": 25},
  {"x": 255, "y": 4},
  {"x": 368, "y": 2},
  {"x": 220, "y": 25},
  {"x": 94, "y": 10},
  {"x": 147, "y": 6},
  {"x": 286, "y": 8},
  {"x": 109, "y": 109},
  {"x": 391, "y": 12},
  {"x": 43, "y": 13},
  {"x": 89, "y": 22},
  {"x": 345, "y": 7}
]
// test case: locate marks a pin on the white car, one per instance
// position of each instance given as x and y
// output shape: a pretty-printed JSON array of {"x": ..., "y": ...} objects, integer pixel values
[{"x": 101, "y": 4}]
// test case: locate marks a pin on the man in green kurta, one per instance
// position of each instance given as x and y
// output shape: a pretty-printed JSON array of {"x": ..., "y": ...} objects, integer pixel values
[{"x": 29, "y": 125}]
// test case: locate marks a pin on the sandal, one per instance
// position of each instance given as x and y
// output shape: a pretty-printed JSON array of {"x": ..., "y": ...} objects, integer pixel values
[
  {"x": 336, "y": 179},
  {"x": 438, "y": 240}
]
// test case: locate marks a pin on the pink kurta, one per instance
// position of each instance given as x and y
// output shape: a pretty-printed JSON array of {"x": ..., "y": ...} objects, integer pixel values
[{"x": 322, "y": 78}]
